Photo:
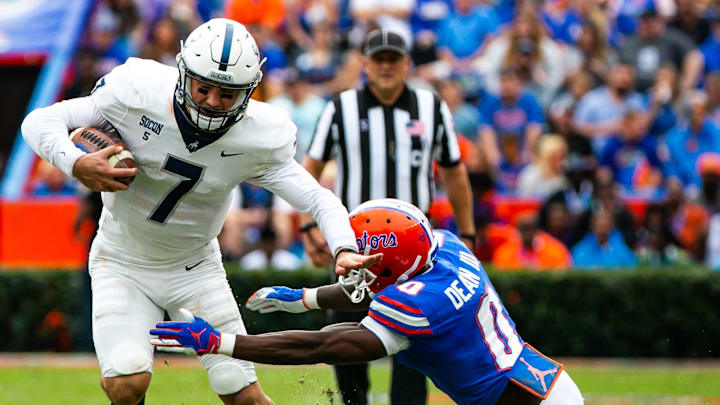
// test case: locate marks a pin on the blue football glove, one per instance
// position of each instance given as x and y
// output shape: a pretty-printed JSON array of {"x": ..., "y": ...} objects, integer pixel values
[
  {"x": 197, "y": 335},
  {"x": 271, "y": 299}
]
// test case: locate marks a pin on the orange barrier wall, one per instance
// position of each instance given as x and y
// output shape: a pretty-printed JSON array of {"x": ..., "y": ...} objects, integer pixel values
[{"x": 35, "y": 233}]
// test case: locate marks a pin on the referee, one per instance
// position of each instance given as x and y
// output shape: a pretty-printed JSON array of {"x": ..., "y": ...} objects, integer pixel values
[{"x": 385, "y": 137}]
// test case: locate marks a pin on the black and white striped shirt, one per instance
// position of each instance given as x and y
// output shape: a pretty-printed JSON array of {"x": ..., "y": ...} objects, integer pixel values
[{"x": 386, "y": 151}]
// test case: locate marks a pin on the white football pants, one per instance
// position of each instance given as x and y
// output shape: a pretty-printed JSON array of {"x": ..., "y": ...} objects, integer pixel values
[{"x": 129, "y": 298}]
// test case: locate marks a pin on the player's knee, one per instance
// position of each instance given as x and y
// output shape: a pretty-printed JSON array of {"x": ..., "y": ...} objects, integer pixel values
[
  {"x": 250, "y": 395},
  {"x": 226, "y": 379},
  {"x": 130, "y": 358},
  {"x": 565, "y": 392},
  {"x": 128, "y": 389}
]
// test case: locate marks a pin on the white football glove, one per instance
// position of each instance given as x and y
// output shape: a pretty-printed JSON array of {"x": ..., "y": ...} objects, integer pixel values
[{"x": 271, "y": 299}]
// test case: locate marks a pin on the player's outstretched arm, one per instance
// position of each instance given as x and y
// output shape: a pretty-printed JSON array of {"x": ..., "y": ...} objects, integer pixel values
[
  {"x": 339, "y": 344},
  {"x": 271, "y": 299}
]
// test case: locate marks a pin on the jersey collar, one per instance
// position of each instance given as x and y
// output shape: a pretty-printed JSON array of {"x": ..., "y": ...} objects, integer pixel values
[
  {"x": 193, "y": 140},
  {"x": 403, "y": 102}
]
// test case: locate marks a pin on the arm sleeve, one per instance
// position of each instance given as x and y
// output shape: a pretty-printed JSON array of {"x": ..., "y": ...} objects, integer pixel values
[
  {"x": 448, "y": 154},
  {"x": 46, "y": 130},
  {"x": 294, "y": 184},
  {"x": 321, "y": 144},
  {"x": 393, "y": 342}
]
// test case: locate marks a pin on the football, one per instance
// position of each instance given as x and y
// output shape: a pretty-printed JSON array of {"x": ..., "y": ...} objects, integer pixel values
[{"x": 91, "y": 140}]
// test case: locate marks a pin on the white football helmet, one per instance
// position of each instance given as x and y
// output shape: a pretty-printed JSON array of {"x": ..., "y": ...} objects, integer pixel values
[{"x": 219, "y": 53}]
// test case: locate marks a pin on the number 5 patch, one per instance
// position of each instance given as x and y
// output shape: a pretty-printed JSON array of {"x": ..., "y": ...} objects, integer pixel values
[{"x": 534, "y": 372}]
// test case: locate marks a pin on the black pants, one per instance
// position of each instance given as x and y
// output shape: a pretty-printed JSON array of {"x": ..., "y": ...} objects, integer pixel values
[{"x": 408, "y": 387}]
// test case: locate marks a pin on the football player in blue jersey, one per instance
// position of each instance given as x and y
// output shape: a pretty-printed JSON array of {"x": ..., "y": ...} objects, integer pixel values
[{"x": 430, "y": 304}]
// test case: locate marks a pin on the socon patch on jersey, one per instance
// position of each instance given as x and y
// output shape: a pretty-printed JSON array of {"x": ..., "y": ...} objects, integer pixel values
[{"x": 153, "y": 126}]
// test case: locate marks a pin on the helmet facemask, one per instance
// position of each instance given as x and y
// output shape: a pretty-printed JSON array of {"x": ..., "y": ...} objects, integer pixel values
[
  {"x": 359, "y": 280},
  {"x": 208, "y": 120}
]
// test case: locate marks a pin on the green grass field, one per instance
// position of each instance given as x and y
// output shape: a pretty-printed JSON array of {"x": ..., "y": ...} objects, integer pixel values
[{"x": 176, "y": 382}]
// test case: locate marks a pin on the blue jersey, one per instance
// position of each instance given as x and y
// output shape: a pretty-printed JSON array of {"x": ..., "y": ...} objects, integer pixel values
[{"x": 460, "y": 334}]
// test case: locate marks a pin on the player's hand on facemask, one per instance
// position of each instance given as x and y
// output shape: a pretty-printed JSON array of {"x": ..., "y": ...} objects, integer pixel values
[
  {"x": 271, "y": 299},
  {"x": 94, "y": 171},
  {"x": 347, "y": 261},
  {"x": 197, "y": 335}
]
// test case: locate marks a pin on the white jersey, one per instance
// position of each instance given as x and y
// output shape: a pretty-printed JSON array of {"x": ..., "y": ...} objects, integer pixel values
[{"x": 179, "y": 199}]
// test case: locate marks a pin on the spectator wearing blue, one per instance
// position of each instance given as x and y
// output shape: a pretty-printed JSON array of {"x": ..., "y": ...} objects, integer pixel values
[
  {"x": 600, "y": 112},
  {"x": 425, "y": 21},
  {"x": 461, "y": 36},
  {"x": 428, "y": 15},
  {"x": 656, "y": 45},
  {"x": 276, "y": 57},
  {"x": 632, "y": 156},
  {"x": 663, "y": 99},
  {"x": 603, "y": 246},
  {"x": 562, "y": 21},
  {"x": 210, "y": 8},
  {"x": 52, "y": 182},
  {"x": 465, "y": 116},
  {"x": 628, "y": 12},
  {"x": 687, "y": 141},
  {"x": 510, "y": 123},
  {"x": 505, "y": 9},
  {"x": 108, "y": 40},
  {"x": 710, "y": 49},
  {"x": 319, "y": 59},
  {"x": 303, "y": 106}
]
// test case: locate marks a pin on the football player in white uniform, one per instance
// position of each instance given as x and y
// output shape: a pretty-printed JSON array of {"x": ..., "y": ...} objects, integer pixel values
[{"x": 195, "y": 134}]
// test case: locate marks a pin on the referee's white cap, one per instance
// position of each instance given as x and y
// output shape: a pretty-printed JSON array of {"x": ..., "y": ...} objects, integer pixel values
[{"x": 384, "y": 40}]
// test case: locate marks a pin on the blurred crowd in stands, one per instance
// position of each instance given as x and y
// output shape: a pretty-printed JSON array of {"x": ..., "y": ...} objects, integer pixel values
[{"x": 590, "y": 128}]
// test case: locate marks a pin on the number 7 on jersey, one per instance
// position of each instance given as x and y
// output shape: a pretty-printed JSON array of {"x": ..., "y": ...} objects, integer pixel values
[{"x": 192, "y": 174}]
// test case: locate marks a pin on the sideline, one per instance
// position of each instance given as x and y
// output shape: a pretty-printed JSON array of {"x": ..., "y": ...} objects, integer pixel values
[{"x": 88, "y": 360}]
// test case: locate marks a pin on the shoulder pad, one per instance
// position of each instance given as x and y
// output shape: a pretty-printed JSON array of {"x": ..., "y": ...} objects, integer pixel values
[
  {"x": 270, "y": 132},
  {"x": 397, "y": 310},
  {"x": 134, "y": 84}
]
